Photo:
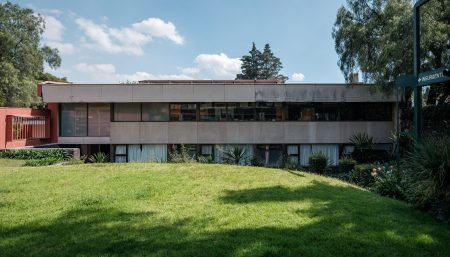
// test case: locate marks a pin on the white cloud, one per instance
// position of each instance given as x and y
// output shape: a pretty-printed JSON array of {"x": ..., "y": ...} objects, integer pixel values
[
  {"x": 53, "y": 35},
  {"x": 106, "y": 73},
  {"x": 104, "y": 69},
  {"x": 128, "y": 40},
  {"x": 217, "y": 65},
  {"x": 190, "y": 71},
  {"x": 297, "y": 77}
]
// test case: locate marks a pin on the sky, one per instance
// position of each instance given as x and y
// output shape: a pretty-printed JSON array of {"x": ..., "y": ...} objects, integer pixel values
[{"x": 115, "y": 41}]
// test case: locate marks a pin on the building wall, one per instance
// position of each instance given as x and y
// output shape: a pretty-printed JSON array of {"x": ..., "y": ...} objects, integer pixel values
[
  {"x": 71, "y": 93},
  {"x": 244, "y": 132},
  {"x": 6, "y": 140}
]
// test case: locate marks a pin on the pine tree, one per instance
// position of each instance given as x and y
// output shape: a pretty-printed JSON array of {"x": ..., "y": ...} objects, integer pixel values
[{"x": 261, "y": 66}]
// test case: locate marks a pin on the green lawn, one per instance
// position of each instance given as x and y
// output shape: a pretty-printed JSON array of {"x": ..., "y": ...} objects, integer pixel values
[{"x": 203, "y": 210}]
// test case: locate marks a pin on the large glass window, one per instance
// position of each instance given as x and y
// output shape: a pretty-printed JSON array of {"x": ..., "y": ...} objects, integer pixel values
[
  {"x": 353, "y": 112},
  {"x": 183, "y": 112},
  {"x": 271, "y": 155},
  {"x": 155, "y": 112},
  {"x": 241, "y": 111},
  {"x": 269, "y": 111},
  {"x": 213, "y": 112},
  {"x": 327, "y": 111},
  {"x": 99, "y": 116},
  {"x": 127, "y": 112},
  {"x": 378, "y": 111},
  {"x": 293, "y": 154},
  {"x": 303, "y": 112},
  {"x": 120, "y": 153},
  {"x": 73, "y": 120}
]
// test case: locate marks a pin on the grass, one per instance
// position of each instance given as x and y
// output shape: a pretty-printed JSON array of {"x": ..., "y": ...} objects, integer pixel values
[
  {"x": 203, "y": 210},
  {"x": 7, "y": 163}
]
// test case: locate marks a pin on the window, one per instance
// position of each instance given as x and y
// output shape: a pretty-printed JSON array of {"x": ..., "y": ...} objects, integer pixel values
[
  {"x": 271, "y": 155},
  {"x": 73, "y": 120},
  {"x": 120, "y": 153},
  {"x": 378, "y": 111},
  {"x": 353, "y": 112},
  {"x": 241, "y": 111},
  {"x": 98, "y": 120},
  {"x": 327, "y": 111},
  {"x": 206, "y": 150},
  {"x": 183, "y": 112},
  {"x": 213, "y": 112},
  {"x": 331, "y": 151},
  {"x": 155, "y": 112},
  {"x": 127, "y": 112},
  {"x": 269, "y": 111},
  {"x": 303, "y": 112},
  {"x": 293, "y": 154}
]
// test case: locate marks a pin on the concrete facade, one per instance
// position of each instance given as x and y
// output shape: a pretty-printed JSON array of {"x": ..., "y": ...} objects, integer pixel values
[
  {"x": 245, "y": 132},
  {"x": 191, "y": 93}
]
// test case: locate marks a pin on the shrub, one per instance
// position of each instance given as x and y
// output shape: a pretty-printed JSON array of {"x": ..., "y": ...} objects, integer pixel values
[
  {"x": 346, "y": 164},
  {"x": 256, "y": 161},
  {"x": 318, "y": 162},
  {"x": 363, "y": 175},
  {"x": 235, "y": 155},
  {"x": 363, "y": 146},
  {"x": 99, "y": 157},
  {"x": 426, "y": 173},
  {"x": 388, "y": 182},
  {"x": 291, "y": 165},
  {"x": 180, "y": 155},
  {"x": 34, "y": 153},
  {"x": 205, "y": 159},
  {"x": 41, "y": 162}
]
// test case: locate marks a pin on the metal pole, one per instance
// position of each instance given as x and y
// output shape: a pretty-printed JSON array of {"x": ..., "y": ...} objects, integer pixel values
[{"x": 417, "y": 89}]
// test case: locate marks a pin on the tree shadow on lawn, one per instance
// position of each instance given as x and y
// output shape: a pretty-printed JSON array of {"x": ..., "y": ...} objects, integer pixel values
[{"x": 336, "y": 229}]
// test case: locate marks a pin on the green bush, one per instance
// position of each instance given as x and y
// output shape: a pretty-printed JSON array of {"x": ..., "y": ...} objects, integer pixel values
[
  {"x": 426, "y": 173},
  {"x": 180, "y": 155},
  {"x": 388, "y": 182},
  {"x": 205, "y": 159},
  {"x": 256, "y": 161},
  {"x": 318, "y": 162},
  {"x": 362, "y": 175},
  {"x": 34, "y": 153},
  {"x": 346, "y": 164},
  {"x": 99, "y": 157},
  {"x": 41, "y": 162},
  {"x": 235, "y": 155}
]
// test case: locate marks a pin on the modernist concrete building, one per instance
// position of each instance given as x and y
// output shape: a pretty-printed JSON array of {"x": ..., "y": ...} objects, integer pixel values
[{"x": 270, "y": 119}]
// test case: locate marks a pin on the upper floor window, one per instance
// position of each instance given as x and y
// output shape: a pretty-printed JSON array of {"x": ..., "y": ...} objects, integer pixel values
[
  {"x": 213, "y": 112},
  {"x": 183, "y": 112},
  {"x": 155, "y": 112},
  {"x": 269, "y": 111},
  {"x": 127, "y": 112},
  {"x": 73, "y": 122},
  {"x": 241, "y": 111}
]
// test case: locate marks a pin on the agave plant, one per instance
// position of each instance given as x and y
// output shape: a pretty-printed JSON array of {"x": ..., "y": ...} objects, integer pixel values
[
  {"x": 235, "y": 155},
  {"x": 99, "y": 157}
]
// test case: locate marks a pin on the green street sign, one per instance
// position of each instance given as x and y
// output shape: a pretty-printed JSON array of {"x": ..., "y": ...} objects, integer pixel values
[
  {"x": 433, "y": 77},
  {"x": 406, "y": 81}
]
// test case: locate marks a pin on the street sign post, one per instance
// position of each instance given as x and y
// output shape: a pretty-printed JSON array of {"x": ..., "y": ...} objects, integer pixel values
[{"x": 433, "y": 77}]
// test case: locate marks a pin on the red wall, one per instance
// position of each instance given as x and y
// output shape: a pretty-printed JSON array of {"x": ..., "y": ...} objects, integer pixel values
[{"x": 6, "y": 133}]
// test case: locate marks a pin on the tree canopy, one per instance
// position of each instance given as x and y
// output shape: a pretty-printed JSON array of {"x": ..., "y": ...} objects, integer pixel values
[
  {"x": 22, "y": 57},
  {"x": 261, "y": 65},
  {"x": 375, "y": 37}
]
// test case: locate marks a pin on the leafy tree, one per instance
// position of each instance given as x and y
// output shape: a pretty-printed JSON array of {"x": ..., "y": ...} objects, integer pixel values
[
  {"x": 261, "y": 66},
  {"x": 375, "y": 37},
  {"x": 21, "y": 55}
]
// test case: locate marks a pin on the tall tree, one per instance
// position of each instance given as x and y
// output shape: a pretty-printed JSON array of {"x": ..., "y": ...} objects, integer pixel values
[
  {"x": 21, "y": 55},
  {"x": 375, "y": 37},
  {"x": 271, "y": 65},
  {"x": 250, "y": 67},
  {"x": 261, "y": 66}
]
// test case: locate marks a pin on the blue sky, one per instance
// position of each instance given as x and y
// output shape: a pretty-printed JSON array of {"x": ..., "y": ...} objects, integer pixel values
[{"x": 114, "y": 41}]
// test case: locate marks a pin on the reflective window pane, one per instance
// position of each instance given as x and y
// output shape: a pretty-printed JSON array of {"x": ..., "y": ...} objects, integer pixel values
[
  {"x": 241, "y": 111},
  {"x": 127, "y": 112},
  {"x": 183, "y": 112},
  {"x": 98, "y": 120},
  {"x": 155, "y": 112},
  {"x": 73, "y": 120},
  {"x": 269, "y": 111}
]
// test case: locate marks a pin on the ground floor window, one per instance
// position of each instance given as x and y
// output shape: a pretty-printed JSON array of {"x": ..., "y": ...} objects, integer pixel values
[
  {"x": 220, "y": 153},
  {"x": 141, "y": 153},
  {"x": 293, "y": 154},
  {"x": 271, "y": 155},
  {"x": 331, "y": 151}
]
